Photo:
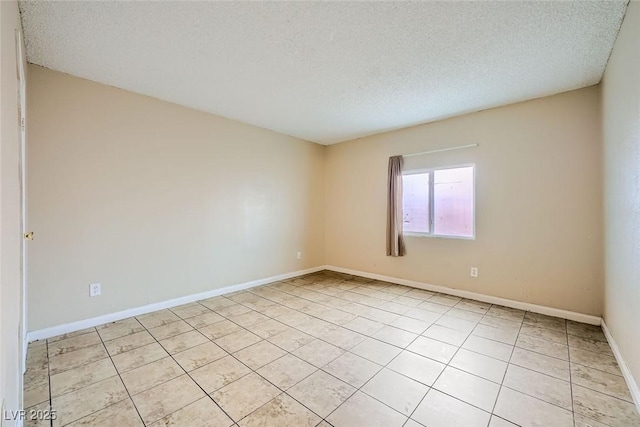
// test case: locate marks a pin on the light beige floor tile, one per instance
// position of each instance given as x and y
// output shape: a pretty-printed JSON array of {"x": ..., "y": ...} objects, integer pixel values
[
  {"x": 286, "y": 371},
  {"x": 281, "y": 411},
  {"x": 36, "y": 374},
  {"x": 243, "y": 396},
  {"x": 469, "y": 388},
  {"x": 317, "y": 327},
  {"x": 506, "y": 313},
  {"x": 420, "y": 313},
  {"x": 433, "y": 349},
  {"x": 506, "y": 336},
  {"x": 593, "y": 360},
  {"x": 406, "y": 300},
  {"x": 540, "y": 363},
  {"x": 248, "y": 319},
  {"x": 443, "y": 299},
  {"x": 395, "y": 336},
  {"x": 488, "y": 347},
  {"x": 439, "y": 410},
  {"x": 361, "y": 410},
  {"x": 480, "y": 365},
  {"x": 82, "y": 376},
  {"x": 220, "y": 373},
  {"x": 150, "y": 375},
  {"x": 69, "y": 335},
  {"x": 410, "y": 324},
  {"x": 203, "y": 412},
  {"x": 590, "y": 344},
  {"x": 603, "y": 382},
  {"x": 604, "y": 408},
  {"x": 190, "y": 310},
  {"x": 36, "y": 393},
  {"x": 75, "y": 359},
  {"x": 80, "y": 403},
  {"x": 496, "y": 322},
  {"x": 528, "y": 411},
  {"x": 343, "y": 338},
  {"x": 138, "y": 357},
  {"x": 397, "y": 391},
  {"x": 593, "y": 332},
  {"x": 433, "y": 307},
  {"x": 456, "y": 323},
  {"x": 395, "y": 307},
  {"x": 204, "y": 319},
  {"x": 553, "y": 335},
  {"x": 128, "y": 342},
  {"x": 291, "y": 340},
  {"x": 257, "y": 355},
  {"x": 269, "y": 328},
  {"x": 276, "y": 310},
  {"x": 580, "y": 421},
  {"x": 169, "y": 330},
  {"x": 419, "y": 368},
  {"x": 198, "y": 356},
  {"x": 120, "y": 328},
  {"x": 38, "y": 415},
  {"x": 412, "y": 423},
  {"x": 376, "y": 351},
  {"x": 381, "y": 316},
  {"x": 237, "y": 340},
  {"x": 465, "y": 314},
  {"x": 545, "y": 347},
  {"x": 499, "y": 422},
  {"x": 121, "y": 414},
  {"x": 541, "y": 386},
  {"x": 75, "y": 343},
  {"x": 233, "y": 310},
  {"x": 183, "y": 342},
  {"x": 352, "y": 369},
  {"x": 217, "y": 303},
  {"x": 318, "y": 353},
  {"x": 168, "y": 397},
  {"x": 364, "y": 326},
  {"x": 444, "y": 334},
  {"x": 219, "y": 329},
  {"x": 542, "y": 321},
  {"x": 157, "y": 318},
  {"x": 293, "y": 318}
]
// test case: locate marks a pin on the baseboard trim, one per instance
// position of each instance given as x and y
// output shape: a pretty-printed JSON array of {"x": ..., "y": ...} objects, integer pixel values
[
  {"x": 549, "y": 311},
  {"x": 136, "y": 311},
  {"x": 626, "y": 372}
]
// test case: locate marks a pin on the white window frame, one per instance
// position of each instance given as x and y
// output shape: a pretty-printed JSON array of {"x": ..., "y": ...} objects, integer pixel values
[{"x": 431, "y": 233}]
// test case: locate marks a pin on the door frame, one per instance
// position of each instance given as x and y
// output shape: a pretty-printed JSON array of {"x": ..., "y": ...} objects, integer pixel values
[{"x": 22, "y": 106}]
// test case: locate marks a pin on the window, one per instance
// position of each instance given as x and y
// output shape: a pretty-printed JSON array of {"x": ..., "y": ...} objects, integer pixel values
[{"x": 439, "y": 202}]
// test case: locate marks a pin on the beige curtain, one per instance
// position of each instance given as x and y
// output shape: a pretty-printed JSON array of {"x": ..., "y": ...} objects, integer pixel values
[{"x": 395, "y": 242}]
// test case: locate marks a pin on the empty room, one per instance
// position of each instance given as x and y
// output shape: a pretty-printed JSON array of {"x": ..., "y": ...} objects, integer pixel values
[{"x": 319, "y": 213}]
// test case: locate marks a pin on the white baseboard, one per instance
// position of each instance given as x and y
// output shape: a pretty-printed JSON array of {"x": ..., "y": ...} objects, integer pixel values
[
  {"x": 112, "y": 317},
  {"x": 549, "y": 311},
  {"x": 626, "y": 372}
]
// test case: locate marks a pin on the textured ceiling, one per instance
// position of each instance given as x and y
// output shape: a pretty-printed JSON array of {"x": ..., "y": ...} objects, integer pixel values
[{"x": 329, "y": 72}]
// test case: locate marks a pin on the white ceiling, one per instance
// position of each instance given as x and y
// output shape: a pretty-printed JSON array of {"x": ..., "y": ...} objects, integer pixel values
[{"x": 329, "y": 72}]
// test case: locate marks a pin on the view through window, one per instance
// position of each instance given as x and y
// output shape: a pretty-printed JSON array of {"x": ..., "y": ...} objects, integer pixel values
[{"x": 439, "y": 202}]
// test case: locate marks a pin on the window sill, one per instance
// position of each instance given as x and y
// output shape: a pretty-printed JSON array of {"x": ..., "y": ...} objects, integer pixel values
[{"x": 437, "y": 236}]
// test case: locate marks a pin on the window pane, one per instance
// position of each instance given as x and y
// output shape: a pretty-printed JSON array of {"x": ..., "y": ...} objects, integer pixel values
[
  {"x": 415, "y": 202},
  {"x": 453, "y": 202}
]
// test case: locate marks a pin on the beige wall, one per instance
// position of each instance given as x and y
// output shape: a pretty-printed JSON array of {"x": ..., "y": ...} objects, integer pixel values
[
  {"x": 156, "y": 201},
  {"x": 621, "y": 131},
  {"x": 538, "y": 209},
  {"x": 10, "y": 228}
]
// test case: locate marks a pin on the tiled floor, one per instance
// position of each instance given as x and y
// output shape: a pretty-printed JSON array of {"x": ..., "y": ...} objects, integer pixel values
[{"x": 330, "y": 349}]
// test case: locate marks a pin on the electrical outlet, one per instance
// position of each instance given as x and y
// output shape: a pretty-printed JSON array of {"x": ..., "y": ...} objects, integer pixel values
[
  {"x": 94, "y": 290},
  {"x": 299, "y": 255},
  {"x": 474, "y": 271}
]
